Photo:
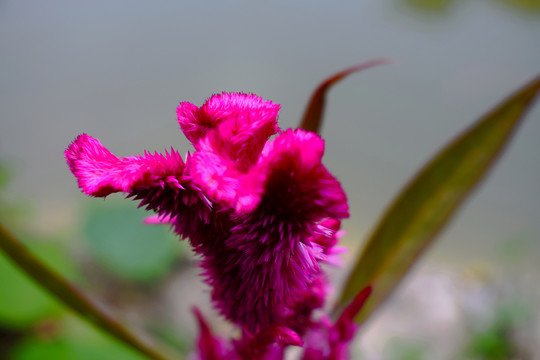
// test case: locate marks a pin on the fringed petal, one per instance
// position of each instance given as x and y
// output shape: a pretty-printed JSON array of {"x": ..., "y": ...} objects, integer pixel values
[
  {"x": 100, "y": 173},
  {"x": 327, "y": 341},
  {"x": 236, "y": 124},
  {"x": 158, "y": 181},
  {"x": 262, "y": 214},
  {"x": 296, "y": 184},
  {"x": 222, "y": 181},
  {"x": 209, "y": 346},
  {"x": 270, "y": 261},
  {"x": 158, "y": 220}
]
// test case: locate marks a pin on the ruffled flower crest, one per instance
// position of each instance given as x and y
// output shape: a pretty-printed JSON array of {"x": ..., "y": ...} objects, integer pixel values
[
  {"x": 229, "y": 132},
  {"x": 262, "y": 213}
]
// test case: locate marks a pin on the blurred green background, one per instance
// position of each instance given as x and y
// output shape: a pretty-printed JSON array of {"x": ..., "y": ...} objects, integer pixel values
[{"x": 117, "y": 69}]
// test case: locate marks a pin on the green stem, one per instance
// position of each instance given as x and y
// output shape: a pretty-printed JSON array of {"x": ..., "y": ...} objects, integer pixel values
[{"x": 69, "y": 294}]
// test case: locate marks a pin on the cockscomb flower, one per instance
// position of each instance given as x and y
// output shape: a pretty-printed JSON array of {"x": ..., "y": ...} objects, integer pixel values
[
  {"x": 269, "y": 344},
  {"x": 263, "y": 213},
  {"x": 330, "y": 341},
  {"x": 324, "y": 340}
]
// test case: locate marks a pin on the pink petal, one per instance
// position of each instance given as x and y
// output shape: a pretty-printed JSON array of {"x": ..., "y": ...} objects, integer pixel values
[
  {"x": 209, "y": 346},
  {"x": 295, "y": 180},
  {"x": 194, "y": 122},
  {"x": 222, "y": 181},
  {"x": 238, "y": 125},
  {"x": 158, "y": 220},
  {"x": 100, "y": 173}
]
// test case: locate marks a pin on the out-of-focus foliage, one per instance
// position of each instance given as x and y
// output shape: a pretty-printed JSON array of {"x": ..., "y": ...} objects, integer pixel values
[
  {"x": 497, "y": 340},
  {"x": 69, "y": 294},
  {"x": 430, "y": 5},
  {"x": 33, "y": 324},
  {"x": 430, "y": 200},
  {"x": 11, "y": 210},
  {"x": 441, "y": 6},
  {"x": 4, "y": 175},
  {"x": 128, "y": 248},
  {"x": 170, "y": 336},
  {"x": 71, "y": 339},
  {"x": 400, "y": 349},
  {"x": 22, "y": 302},
  {"x": 527, "y": 5}
]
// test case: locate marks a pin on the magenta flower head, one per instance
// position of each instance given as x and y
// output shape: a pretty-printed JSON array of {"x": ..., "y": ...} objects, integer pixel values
[{"x": 262, "y": 212}]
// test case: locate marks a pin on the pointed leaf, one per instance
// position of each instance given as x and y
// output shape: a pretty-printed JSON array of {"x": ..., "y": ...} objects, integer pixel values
[
  {"x": 312, "y": 119},
  {"x": 428, "y": 202},
  {"x": 68, "y": 293}
]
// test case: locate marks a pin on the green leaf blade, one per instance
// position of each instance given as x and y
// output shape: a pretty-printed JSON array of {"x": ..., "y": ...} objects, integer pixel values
[{"x": 430, "y": 200}]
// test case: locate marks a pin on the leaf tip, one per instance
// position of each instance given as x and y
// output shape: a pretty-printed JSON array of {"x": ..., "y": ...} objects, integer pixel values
[{"x": 313, "y": 115}]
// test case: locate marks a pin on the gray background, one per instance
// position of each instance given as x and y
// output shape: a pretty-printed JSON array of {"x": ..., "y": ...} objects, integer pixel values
[{"x": 117, "y": 69}]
